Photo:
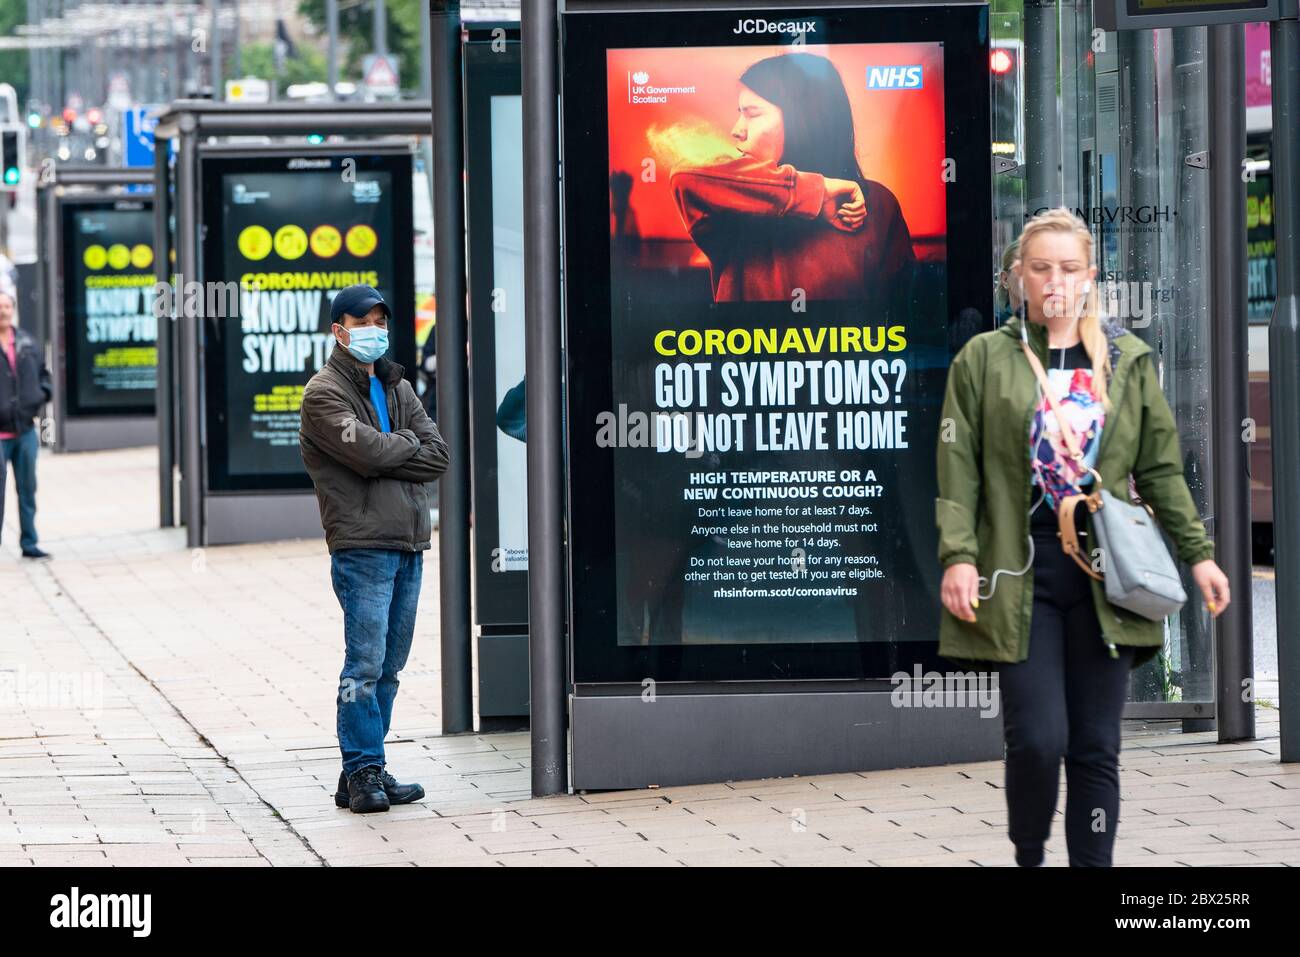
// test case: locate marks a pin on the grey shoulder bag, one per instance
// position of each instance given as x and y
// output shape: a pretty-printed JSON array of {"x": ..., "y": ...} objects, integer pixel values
[{"x": 1140, "y": 574}]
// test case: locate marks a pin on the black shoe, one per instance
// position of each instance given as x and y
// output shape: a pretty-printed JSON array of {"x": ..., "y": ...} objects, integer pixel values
[
  {"x": 400, "y": 793},
  {"x": 397, "y": 793},
  {"x": 35, "y": 553},
  {"x": 365, "y": 792}
]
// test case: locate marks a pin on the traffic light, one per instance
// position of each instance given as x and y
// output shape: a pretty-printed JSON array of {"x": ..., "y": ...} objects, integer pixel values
[
  {"x": 1004, "y": 72},
  {"x": 11, "y": 161}
]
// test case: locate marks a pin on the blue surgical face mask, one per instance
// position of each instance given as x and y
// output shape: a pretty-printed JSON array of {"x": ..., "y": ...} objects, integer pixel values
[{"x": 367, "y": 343}]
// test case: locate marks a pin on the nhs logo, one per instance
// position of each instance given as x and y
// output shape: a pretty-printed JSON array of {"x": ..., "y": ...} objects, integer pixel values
[{"x": 894, "y": 77}]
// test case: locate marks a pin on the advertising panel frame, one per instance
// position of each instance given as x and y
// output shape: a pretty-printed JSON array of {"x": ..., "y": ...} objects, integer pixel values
[
  {"x": 587, "y": 35},
  {"x": 75, "y": 432},
  {"x": 212, "y": 165},
  {"x": 193, "y": 128},
  {"x": 500, "y": 597},
  {"x": 69, "y": 207},
  {"x": 1162, "y": 14}
]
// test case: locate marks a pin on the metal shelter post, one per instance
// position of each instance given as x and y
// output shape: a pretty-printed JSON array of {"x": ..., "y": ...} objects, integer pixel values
[
  {"x": 166, "y": 392},
  {"x": 1284, "y": 359},
  {"x": 1042, "y": 117},
  {"x": 539, "y": 25},
  {"x": 187, "y": 270},
  {"x": 1227, "y": 94},
  {"x": 50, "y": 298},
  {"x": 453, "y": 374}
]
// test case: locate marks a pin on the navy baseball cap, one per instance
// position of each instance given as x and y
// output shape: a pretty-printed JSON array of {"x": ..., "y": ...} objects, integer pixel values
[{"x": 356, "y": 301}]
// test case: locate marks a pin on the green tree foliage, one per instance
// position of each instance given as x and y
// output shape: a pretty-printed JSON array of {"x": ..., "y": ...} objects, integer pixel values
[
  {"x": 13, "y": 63},
  {"x": 258, "y": 59},
  {"x": 356, "y": 32}
]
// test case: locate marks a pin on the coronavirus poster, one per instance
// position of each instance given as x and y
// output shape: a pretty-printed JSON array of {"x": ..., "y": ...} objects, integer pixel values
[
  {"x": 110, "y": 330},
  {"x": 780, "y": 199},
  {"x": 289, "y": 235}
]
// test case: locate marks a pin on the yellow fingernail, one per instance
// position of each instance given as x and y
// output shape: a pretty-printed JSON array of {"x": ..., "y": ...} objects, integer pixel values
[
  {"x": 1211, "y": 606},
  {"x": 975, "y": 603}
]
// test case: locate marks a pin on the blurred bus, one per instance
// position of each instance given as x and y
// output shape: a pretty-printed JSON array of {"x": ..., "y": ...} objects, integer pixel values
[
  {"x": 1261, "y": 290},
  {"x": 1261, "y": 281}
]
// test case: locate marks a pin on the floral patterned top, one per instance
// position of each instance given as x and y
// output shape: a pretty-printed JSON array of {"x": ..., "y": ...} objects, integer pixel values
[{"x": 1069, "y": 372}]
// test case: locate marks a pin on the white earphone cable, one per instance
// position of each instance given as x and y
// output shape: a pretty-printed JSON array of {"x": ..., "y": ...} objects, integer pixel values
[{"x": 1038, "y": 399}]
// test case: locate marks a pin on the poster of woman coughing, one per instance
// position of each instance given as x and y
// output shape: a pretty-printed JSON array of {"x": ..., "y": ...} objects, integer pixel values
[{"x": 756, "y": 359}]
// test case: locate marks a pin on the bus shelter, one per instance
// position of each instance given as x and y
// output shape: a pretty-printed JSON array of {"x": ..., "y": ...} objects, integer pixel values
[
  {"x": 661, "y": 650},
  {"x": 95, "y": 234},
  {"x": 268, "y": 211}
]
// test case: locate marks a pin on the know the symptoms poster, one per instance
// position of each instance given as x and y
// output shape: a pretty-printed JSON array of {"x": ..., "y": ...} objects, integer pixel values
[
  {"x": 113, "y": 331},
  {"x": 292, "y": 240}
]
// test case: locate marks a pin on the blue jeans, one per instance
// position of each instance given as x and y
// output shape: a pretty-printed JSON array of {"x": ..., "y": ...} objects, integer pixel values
[
  {"x": 22, "y": 453},
  {"x": 378, "y": 590}
]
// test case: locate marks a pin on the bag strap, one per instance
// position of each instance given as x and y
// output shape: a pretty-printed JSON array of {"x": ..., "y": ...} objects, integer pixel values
[
  {"x": 1069, "y": 532},
  {"x": 1067, "y": 433}
]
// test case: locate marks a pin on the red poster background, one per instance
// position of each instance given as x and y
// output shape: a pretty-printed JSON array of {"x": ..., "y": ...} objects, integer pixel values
[{"x": 899, "y": 133}]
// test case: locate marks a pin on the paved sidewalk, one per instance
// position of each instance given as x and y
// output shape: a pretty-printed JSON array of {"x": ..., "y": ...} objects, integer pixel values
[{"x": 166, "y": 706}]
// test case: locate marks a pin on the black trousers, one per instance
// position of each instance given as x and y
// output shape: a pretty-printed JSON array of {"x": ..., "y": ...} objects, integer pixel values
[{"x": 1064, "y": 701}]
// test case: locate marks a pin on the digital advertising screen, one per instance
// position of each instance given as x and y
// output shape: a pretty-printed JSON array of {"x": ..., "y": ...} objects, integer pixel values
[
  {"x": 110, "y": 328},
  {"x": 1147, "y": 7},
  {"x": 1159, "y": 14},
  {"x": 495, "y": 216},
  {"x": 1261, "y": 249},
  {"x": 778, "y": 233},
  {"x": 284, "y": 235}
]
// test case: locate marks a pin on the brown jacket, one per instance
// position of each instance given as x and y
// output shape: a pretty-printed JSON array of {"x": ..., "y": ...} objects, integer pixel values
[{"x": 371, "y": 485}]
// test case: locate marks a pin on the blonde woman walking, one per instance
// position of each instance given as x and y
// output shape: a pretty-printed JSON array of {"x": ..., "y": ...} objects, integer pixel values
[{"x": 1012, "y": 598}]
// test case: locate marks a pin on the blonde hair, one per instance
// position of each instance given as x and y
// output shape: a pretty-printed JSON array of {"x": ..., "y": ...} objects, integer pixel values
[{"x": 1062, "y": 220}]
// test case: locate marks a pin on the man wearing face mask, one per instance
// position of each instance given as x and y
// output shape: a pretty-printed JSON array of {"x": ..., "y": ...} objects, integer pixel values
[{"x": 370, "y": 449}]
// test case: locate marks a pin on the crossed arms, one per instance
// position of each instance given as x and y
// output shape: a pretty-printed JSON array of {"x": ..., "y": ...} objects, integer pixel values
[{"x": 414, "y": 454}]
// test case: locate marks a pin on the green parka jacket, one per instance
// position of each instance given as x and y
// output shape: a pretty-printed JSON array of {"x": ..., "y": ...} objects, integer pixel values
[{"x": 985, "y": 490}]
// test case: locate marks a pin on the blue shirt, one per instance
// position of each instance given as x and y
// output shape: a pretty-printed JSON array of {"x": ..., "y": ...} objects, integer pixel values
[{"x": 380, "y": 403}]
